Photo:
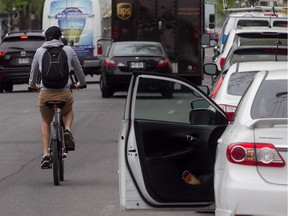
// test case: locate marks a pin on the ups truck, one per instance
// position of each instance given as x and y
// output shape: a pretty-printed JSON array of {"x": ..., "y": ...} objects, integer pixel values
[{"x": 176, "y": 24}]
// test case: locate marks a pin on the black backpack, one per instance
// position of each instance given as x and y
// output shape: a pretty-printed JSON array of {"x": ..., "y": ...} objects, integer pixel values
[{"x": 55, "y": 69}]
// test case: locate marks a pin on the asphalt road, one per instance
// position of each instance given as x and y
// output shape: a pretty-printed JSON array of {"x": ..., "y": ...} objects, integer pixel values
[{"x": 91, "y": 172}]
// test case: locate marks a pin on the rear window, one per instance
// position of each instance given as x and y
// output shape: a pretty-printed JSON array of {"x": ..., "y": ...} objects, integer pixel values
[
  {"x": 271, "y": 100},
  {"x": 136, "y": 50},
  {"x": 265, "y": 54},
  {"x": 239, "y": 82},
  {"x": 246, "y": 22},
  {"x": 30, "y": 43},
  {"x": 280, "y": 23},
  {"x": 267, "y": 38}
]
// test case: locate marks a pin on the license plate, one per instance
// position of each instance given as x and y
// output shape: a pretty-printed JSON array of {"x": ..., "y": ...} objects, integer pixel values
[
  {"x": 23, "y": 60},
  {"x": 137, "y": 65}
]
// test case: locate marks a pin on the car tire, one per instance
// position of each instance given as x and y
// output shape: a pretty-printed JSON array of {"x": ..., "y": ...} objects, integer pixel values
[
  {"x": 8, "y": 87},
  {"x": 106, "y": 92},
  {"x": 1, "y": 88}
]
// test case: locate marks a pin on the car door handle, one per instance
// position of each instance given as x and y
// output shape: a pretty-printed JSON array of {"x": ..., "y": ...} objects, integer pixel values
[{"x": 191, "y": 138}]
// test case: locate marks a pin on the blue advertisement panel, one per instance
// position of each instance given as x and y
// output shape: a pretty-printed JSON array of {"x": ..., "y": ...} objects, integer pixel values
[{"x": 75, "y": 18}]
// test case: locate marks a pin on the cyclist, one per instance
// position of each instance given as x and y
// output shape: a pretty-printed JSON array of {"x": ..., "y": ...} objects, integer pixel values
[{"x": 53, "y": 38}]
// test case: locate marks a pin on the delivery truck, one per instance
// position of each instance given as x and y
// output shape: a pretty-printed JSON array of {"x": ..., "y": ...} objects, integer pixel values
[{"x": 177, "y": 24}]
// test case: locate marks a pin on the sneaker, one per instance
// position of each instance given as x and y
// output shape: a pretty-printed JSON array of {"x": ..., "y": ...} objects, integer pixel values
[
  {"x": 69, "y": 141},
  {"x": 64, "y": 153},
  {"x": 46, "y": 164}
]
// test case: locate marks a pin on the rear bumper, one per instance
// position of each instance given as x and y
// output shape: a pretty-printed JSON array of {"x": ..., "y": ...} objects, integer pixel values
[
  {"x": 91, "y": 65},
  {"x": 248, "y": 194},
  {"x": 15, "y": 75}
]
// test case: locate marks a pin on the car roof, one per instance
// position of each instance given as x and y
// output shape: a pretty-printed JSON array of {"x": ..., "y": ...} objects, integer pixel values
[
  {"x": 277, "y": 74},
  {"x": 257, "y": 14},
  {"x": 255, "y": 29},
  {"x": 137, "y": 42},
  {"x": 28, "y": 33}
]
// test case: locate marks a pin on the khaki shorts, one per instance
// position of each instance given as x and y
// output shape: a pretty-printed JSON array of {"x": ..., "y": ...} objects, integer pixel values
[{"x": 46, "y": 113}]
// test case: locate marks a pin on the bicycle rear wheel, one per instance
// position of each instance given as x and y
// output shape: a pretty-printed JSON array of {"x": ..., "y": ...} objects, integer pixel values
[
  {"x": 62, "y": 147},
  {"x": 61, "y": 166},
  {"x": 55, "y": 155}
]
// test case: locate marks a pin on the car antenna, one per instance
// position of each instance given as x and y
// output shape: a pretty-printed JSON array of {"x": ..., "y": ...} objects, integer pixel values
[{"x": 277, "y": 43}]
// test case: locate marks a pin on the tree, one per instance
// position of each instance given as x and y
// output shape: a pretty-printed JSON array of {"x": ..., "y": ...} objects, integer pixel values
[{"x": 27, "y": 12}]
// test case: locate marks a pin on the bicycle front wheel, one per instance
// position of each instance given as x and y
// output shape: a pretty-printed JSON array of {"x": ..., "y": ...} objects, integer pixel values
[{"x": 55, "y": 155}]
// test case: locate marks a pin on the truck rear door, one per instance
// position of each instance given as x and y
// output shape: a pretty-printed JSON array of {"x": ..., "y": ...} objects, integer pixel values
[{"x": 177, "y": 25}]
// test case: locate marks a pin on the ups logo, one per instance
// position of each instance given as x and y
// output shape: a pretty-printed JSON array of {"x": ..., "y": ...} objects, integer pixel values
[{"x": 124, "y": 10}]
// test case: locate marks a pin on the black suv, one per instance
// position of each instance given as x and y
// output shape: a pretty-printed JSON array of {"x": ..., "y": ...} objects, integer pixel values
[{"x": 17, "y": 50}]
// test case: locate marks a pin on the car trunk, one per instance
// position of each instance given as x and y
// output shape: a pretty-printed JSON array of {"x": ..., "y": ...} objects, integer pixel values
[
  {"x": 276, "y": 134},
  {"x": 130, "y": 64}
]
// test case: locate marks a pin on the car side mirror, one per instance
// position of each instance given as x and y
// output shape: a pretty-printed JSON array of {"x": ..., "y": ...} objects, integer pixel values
[
  {"x": 210, "y": 69},
  {"x": 202, "y": 117},
  {"x": 205, "y": 40},
  {"x": 199, "y": 104},
  {"x": 204, "y": 88}
]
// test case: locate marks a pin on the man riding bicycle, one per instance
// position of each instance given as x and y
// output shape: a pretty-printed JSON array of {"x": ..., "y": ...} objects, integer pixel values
[{"x": 53, "y": 39}]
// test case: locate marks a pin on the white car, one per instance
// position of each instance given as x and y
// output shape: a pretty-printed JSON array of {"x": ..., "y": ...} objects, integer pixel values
[
  {"x": 251, "y": 36},
  {"x": 237, "y": 79},
  {"x": 167, "y": 151},
  {"x": 251, "y": 163},
  {"x": 249, "y": 18}
]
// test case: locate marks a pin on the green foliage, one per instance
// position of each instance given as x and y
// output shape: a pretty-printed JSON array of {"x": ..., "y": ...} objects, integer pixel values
[{"x": 6, "y": 6}]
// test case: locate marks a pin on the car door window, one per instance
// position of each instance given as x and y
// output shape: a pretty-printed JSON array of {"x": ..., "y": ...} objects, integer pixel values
[{"x": 176, "y": 109}]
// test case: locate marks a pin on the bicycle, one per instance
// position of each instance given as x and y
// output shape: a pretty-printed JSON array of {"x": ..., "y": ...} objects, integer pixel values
[
  {"x": 57, "y": 142},
  {"x": 57, "y": 147}
]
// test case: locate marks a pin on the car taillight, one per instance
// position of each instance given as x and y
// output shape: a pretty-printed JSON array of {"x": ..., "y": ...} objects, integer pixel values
[
  {"x": 109, "y": 63},
  {"x": 255, "y": 154},
  {"x": 164, "y": 63},
  {"x": 99, "y": 49},
  {"x": 24, "y": 37},
  {"x": 222, "y": 62},
  {"x": 229, "y": 110},
  {"x": 2, "y": 53}
]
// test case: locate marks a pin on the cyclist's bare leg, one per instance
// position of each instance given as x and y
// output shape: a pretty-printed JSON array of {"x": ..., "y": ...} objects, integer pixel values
[
  {"x": 68, "y": 119},
  {"x": 46, "y": 131}
]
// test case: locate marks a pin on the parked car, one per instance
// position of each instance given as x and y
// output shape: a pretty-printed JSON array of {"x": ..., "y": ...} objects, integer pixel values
[
  {"x": 231, "y": 85},
  {"x": 167, "y": 149},
  {"x": 251, "y": 175},
  {"x": 16, "y": 54},
  {"x": 253, "y": 17},
  {"x": 252, "y": 36},
  {"x": 243, "y": 53},
  {"x": 124, "y": 58}
]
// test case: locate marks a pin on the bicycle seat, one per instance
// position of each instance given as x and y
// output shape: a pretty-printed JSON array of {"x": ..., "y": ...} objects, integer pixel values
[{"x": 55, "y": 103}]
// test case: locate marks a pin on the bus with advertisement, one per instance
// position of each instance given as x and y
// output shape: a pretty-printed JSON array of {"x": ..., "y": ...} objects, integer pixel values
[{"x": 81, "y": 23}]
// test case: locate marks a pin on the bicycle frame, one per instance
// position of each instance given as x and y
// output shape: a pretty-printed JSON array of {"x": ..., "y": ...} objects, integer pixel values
[{"x": 57, "y": 141}]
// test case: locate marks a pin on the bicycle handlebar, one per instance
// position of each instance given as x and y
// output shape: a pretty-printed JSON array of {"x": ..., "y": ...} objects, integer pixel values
[
  {"x": 73, "y": 86},
  {"x": 32, "y": 89}
]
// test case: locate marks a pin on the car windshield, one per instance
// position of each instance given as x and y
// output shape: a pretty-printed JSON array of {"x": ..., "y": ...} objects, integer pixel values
[
  {"x": 239, "y": 82},
  {"x": 246, "y": 22},
  {"x": 31, "y": 43},
  {"x": 280, "y": 23},
  {"x": 136, "y": 50},
  {"x": 270, "y": 100}
]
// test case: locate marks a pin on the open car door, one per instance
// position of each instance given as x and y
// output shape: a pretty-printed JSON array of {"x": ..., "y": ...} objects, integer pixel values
[{"x": 167, "y": 144}]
